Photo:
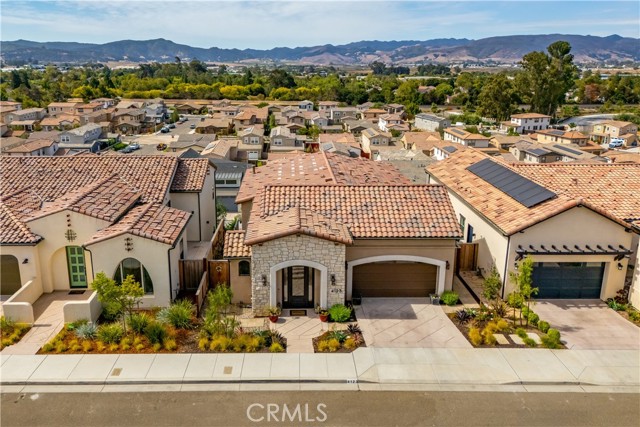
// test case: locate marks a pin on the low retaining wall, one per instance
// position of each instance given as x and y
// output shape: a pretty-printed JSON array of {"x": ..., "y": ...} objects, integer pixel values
[
  {"x": 19, "y": 307},
  {"x": 77, "y": 310}
]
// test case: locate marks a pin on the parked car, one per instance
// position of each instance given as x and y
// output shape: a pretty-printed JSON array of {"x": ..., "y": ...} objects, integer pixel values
[
  {"x": 172, "y": 126},
  {"x": 616, "y": 143},
  {"x": 193, "y": 126},
  {"x": 127, "y": 149},
  {"x": 134, "y": 146},
  {"x": 165, "y": 130}
]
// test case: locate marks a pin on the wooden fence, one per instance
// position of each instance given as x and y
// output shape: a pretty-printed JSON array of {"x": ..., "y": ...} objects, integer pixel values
[
  {"x": 201, "y": 293},
  {"x": 467, "y": 257},
  {"x": 191, "y": 271}
]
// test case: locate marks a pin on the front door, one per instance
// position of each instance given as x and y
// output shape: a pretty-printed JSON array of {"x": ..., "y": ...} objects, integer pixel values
[
  {"x": 75, "y": 262},
  {"x": 297, "y": 287}
]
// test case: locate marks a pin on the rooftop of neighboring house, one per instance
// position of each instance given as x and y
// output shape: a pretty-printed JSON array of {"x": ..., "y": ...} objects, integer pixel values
[
  {"x": 463, "y": 134},
  {"x": 84, "y": 129},
  {"x": 391, "y": 117},
  {"x": 253, "y": 130},
  {"x": 500, "y": 139},
  {"x": 30, "y": 146},
  {"x": 105, "y": 187},
  {"x": 373, "y": 132},
  {"x": 610, "y": 189},
  {"x": 221, "y": 147},
  {"x": 128, "y": 112},
  {"x": 217, "y": 122},
  {"x": 374, "y": 111},
  {"x": 342, "y": 138},
  {"x": 341, "y": 213},
  {"x": 616, "y": 123},
  {"x": 190, "y": 140},
  {"x": 29, "y": 110},
  {"x": 562, "y": 134},
  {"x": 431, "y": 117},
  {"x": 622, "y": 157},
  {"x": 530, "y": 116},
  {"x": 64, "y": 104},
  {"x": 56, "y": 121},
  {"x": 317, "y": 169}
]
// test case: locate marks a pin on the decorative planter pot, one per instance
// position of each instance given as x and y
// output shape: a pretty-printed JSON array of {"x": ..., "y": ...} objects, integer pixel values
[
  {"x": 324, "y": 317},
  {"x": 273, "y": 319}
]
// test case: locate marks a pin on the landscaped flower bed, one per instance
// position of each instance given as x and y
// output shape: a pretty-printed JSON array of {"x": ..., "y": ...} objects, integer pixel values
[
  {"x": 339, "y": 340},
  {"x": 623, "y": 308},
  {"x": 11, "y": 332}
]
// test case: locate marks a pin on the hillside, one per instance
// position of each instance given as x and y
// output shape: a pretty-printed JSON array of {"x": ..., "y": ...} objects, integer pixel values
[{"x": 505, "y": 49}]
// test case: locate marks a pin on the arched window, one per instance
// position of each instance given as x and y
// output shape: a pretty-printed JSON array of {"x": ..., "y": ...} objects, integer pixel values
[
  {"x": 133, "y": 267},
  {"x": 244, "y": 268}
]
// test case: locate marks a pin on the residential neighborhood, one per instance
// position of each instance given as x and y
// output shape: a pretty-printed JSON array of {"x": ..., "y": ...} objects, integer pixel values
[{"x": 411, "y": 223}]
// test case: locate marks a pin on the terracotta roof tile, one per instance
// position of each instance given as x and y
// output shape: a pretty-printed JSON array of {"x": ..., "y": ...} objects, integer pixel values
[
  {"x": 296, "y": 220},
  {"x": 613, "y": 190},
  {"x": 234, "y": 246},
  {"x": 151, "y": 221},
  {"x": 318, "y": 169},
  {"x": 367, "y": 211},
  {"x": 190, "y": 175},
  {"x": 13, "y": 231}
]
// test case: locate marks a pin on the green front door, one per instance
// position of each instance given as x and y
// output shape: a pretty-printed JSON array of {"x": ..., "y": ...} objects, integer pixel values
[{"x": 75, "y": 261}]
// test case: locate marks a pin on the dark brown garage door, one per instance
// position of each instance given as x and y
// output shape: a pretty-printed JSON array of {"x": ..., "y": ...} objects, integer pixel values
[{"x": 394, "y": 279}]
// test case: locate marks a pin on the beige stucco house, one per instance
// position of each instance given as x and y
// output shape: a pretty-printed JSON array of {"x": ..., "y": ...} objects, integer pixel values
[
  {"x": 65, "y": 219},
  {"x": 575, "y": 220},
  {"x": 319, "y": 229}
]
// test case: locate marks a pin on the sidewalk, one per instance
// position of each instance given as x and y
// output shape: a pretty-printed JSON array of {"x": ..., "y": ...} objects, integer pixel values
[{"x": 365, "y": 368}]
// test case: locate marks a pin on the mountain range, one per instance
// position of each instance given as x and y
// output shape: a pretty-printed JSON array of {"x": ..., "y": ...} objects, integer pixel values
[{"x": 503, "y": 49}]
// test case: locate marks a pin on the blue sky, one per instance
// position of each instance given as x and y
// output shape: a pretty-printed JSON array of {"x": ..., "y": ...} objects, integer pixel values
[{"x": 267, "y": 24}]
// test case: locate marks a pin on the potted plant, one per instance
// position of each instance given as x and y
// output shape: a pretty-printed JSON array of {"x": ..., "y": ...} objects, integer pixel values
[
  {"x": 323, "y": 313},
  {"x": 435, "y": 299},
  {"x": 274, "y": 313}
]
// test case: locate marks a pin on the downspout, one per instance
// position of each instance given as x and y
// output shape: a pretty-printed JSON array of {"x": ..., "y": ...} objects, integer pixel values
[
  {"x": 93, "y": 273},
  {"x": 169, "y": 265},
  {"x": 199, "y": 219},
  {"x": 506, "y": 266}
]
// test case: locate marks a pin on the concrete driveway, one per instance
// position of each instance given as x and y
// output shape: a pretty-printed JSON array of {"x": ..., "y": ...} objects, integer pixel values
[
  {"x": 589, "y": 324},
  {"x": 407, "y": 322}
]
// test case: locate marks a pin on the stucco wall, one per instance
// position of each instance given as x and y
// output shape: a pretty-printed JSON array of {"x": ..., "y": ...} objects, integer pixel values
[
  {"x": 51, "y": 251},
  {"x": 578, "y": 226},
  {"x": 208, "y": 206},
  {"x": 240, "y": 285},
  {"x": 188, "y": 202},
  {"x": 323, "y": 253},
  {"x": 153, "y": 255},
  {"x": 634, "y": 292},
  {"x": 30, "y": 271}
]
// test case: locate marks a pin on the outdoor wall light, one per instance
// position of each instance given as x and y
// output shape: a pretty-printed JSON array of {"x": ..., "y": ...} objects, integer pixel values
[
  {"x": 448, "y": 266},
  {"x": 619, "y": 266},
  {"x": 332, "y": 277},
  {"x": 261, "y": 279},
  {"x": 25, "y": 261},
  {"x": 515, "y": 265}
]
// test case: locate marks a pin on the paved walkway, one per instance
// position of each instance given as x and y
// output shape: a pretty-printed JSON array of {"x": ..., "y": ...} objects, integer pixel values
[
  {"x": 407, "y": 322},
  {"x": 299, "y": 330},
  {"x": 365, "y": 368},
  {"x": 589, "y": 324},
  {"x": 49, "y": 320}
]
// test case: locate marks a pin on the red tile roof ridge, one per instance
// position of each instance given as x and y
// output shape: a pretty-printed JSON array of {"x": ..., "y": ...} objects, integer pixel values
[
  {"x": 326, "y": 160},
  {"x": 13, "y": 230}
]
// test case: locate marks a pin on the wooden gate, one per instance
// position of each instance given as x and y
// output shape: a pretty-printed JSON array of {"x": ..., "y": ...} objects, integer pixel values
[
  {"x": 191, "y": 271},
  {"x": 467, "y": 257},
  {"x": 218, "y": 272}
]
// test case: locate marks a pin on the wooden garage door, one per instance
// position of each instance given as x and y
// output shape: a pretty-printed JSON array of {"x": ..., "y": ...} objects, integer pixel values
[{"x": 390, "y": 279}]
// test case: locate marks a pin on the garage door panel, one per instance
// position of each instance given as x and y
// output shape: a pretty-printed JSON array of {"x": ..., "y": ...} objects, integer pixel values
[
  {"x": 394, "y": 280},
  {"x": 568, "y": 280}
]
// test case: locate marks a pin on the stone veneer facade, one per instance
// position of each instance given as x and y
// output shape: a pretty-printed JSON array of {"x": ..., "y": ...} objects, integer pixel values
[{"x": 297, "y": 247}]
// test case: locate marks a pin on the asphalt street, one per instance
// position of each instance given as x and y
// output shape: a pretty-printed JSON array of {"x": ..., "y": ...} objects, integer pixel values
[{"x": 320, "y": 408}]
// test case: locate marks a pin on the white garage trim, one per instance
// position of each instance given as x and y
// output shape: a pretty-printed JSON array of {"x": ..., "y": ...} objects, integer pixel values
[
  {"x": 412, "y": 258},
  {"x": 273, "y": 297}
]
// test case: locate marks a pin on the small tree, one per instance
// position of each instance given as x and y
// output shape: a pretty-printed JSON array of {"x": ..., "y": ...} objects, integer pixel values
[
  {"x": 524, "y": 283},
  {"x": 122, "y": 298},
  {"x": 215, "y": 316},
  {"x": 174, "y": 116},
  {"x": 491, "y": 285}
]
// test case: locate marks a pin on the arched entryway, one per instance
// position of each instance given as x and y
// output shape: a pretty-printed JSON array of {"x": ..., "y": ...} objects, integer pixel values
[
  {"x": 396, "y": 275},
  {"x": 9, "y": 275},
  {"x": 300, "y": 283}
]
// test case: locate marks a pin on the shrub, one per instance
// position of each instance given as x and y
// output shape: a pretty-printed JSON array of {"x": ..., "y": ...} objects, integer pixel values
[
  {"x": 139, "y": 347},
  {"x": 533, "y": 318},
  {"x": 552, "y": 339},
  {"x": 86, "y": 331},
  {"x": 526, "y": 311},
  {"x": 110, "y": 333},
  {"x": 354, "y": 329},
  {"x": 125, "y": 344},
  {"x": 247, "y": 342},
  {"x": 502, "y": 325},
  {"x": 491, "y": 327},
  {"x": 529, "y": 342},
  {"x": 220, "y": 343},
  {"x": 334, "y": 345},
  {"x": 521, "y": 333},
  {"x": 554, "y": 334},
  {"x": 499, "y": 308},
  {"x": 61, "y": 347},
  {"x": 543, "y": 326},
  {"x": 515, "y": 300},
  {"x": 157, "y": 347},
  {"x": 633, "y": 315},
  {"x": 463, "y": 316},
  {"x": 489, "y": 338},
  {"x": 46, "y": 348},
  {"x": 75, "y": 347},
  {"x": 340, "y": 313},
  {"x": 178, "y": 314},
  {"x": 137, "y": 340},
  {"x": 114, "y": 347},
  {"x": 616, "y": 305},
  {"x": 475, "y": 337},
  {"x": 203, "y": 343},
  {"x": 138, "y": 321},
  {"x": 155, "y": 332},
  {"x": 450, "y": 298},
  {"x": 87, "y": 346},
  {"x": 341, "y": 336},
  {"x": 6, "y": 323},
  {"x": 276, "y": 348},
  {"x": 170, "y": 345},
  {"x": 323, "y": 345},
  {"x": 100, "y": 346},
  {"x": 350, "y": 343}
]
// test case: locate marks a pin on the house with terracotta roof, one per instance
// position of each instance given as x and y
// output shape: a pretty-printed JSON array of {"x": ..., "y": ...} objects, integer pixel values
[
  {"x": 576, "y": 220},
  {"x": 218, "y": 126},
  {"x": 373, "y": 138},
  {"x": 431, "y": 122},
  {"x": 319, "y": 229},
  {"x": 557, "y": 136},
  {"x": 468, "y": 139},
  {"x": 65, "y": 219},
  {"x": 603, "y": 132},
  {"x": 37, "y": 147}
]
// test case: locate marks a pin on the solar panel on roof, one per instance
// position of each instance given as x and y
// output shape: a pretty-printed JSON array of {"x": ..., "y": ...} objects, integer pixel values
[
  {"x": 521, "y": 189},
  {"x": 539, "y": 151},
  {"x": 570, "y": 150},
  {"x": 450, "y": 149},
  {"x": 458, "y": 131},
  {"x": 556, "y": 132}
]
